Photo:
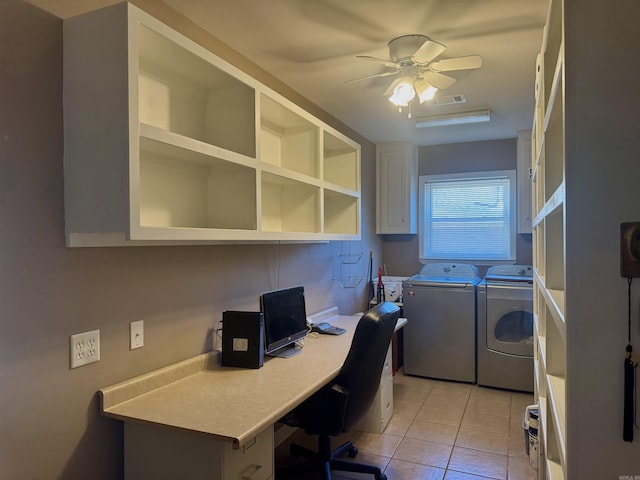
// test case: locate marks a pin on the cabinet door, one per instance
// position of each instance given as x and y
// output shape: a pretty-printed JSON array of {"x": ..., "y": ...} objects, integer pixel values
[{"x": 396, "y": 186}]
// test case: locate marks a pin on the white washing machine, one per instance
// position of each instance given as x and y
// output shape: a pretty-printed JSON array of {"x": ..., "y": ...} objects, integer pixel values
[
  {"x": 440, "y": 335},
  {"x": 505, "y": 328}
]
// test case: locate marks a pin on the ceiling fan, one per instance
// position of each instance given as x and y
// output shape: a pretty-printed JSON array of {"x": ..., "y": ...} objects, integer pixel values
[{"x": 414, "y": 59}]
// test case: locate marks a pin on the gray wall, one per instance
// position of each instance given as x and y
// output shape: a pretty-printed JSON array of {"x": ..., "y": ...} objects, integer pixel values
[
  {"x": 400, "y": 252},
  {"x": 49, "y": 415}
]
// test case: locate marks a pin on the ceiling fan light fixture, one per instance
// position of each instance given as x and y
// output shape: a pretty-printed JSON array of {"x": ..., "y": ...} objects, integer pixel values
[
  {"x": 461, "y": 118},
  {"x": 424, "y": 89},
  {"x": 403, "y": 92},
  {"x": 414, "y": 58}
]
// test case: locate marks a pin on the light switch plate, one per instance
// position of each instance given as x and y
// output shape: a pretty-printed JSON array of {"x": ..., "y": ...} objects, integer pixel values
[{"x": 136, "y": 336}]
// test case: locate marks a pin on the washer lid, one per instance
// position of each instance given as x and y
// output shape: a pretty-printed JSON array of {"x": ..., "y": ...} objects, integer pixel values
[
  {"x": 446, "y": 273},
  {"x": 510, "y": 273}
]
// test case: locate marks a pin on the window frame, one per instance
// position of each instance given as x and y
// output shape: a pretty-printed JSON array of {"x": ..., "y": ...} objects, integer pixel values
[{"x": 423, "y": 180}]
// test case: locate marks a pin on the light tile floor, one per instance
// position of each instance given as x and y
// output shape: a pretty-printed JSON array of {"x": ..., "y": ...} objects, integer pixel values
[{"x": 441, "y": 431}]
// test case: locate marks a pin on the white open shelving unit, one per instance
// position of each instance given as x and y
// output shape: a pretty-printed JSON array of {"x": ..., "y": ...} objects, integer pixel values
[
  {"x": 548, "y": 204},
  {"x": 166, "y": 143}
]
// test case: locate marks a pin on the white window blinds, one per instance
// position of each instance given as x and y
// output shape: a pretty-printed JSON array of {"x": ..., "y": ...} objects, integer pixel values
[{"x": 468, "y": 216}]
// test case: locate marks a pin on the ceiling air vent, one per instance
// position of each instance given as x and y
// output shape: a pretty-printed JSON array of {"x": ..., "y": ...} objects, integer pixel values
[{"x": 449, "y": 100}]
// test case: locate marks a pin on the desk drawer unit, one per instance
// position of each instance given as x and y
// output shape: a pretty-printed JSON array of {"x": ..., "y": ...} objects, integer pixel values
[
  {"x": 387, "y": 369},
  {"x": 381, "y": 410}
]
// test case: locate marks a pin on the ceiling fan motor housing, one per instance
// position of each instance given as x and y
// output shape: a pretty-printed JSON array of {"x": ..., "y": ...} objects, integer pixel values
[{"x": 402, "y": 48}]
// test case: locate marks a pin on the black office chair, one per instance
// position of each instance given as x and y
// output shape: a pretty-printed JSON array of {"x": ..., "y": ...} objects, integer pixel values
[{"x": 338, "y": 406}]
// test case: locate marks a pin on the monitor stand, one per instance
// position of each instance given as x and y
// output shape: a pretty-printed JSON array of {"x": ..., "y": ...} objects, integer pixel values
[{"x": 286, "y": 351}]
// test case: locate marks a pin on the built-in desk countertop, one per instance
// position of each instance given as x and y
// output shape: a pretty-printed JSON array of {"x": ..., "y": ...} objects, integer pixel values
[{"x": 229, "y": 404}]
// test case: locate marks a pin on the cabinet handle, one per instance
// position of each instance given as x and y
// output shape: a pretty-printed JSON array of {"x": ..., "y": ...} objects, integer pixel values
[
  {"x": 250, "y": 444},
  {"x": 251, "y": 472}
]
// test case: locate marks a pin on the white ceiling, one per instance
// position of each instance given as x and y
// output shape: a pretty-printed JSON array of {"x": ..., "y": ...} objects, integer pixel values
[{"x": 311, "y": 45}]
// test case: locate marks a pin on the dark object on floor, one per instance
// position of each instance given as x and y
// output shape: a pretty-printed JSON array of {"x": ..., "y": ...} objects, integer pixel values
[{"x": 338, "y": 406}]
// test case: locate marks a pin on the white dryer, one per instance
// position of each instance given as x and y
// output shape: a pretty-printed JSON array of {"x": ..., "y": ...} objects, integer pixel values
[{"x": 505, "y": 328}]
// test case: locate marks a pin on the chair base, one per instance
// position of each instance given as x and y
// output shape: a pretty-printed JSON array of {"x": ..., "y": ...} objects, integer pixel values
[{"x": 326, "y": 460}]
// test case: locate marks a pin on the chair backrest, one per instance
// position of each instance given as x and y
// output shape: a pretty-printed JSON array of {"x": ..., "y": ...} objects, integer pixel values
[{"x": 362, "y": 368}]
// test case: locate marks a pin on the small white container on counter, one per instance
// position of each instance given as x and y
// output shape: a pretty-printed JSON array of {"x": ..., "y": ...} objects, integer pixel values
[{"x": 392, "y": 288}]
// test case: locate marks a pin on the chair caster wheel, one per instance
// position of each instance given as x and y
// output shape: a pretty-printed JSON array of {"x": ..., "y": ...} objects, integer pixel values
[
  {"x": 382, "y": 476},
  {"x": 352, "y": 452}
]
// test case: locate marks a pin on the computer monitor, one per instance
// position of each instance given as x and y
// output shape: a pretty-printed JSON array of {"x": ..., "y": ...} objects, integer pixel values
[{"x": 285, "y": 320}]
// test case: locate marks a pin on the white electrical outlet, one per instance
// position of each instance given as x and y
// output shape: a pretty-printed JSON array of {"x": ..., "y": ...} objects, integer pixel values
[
  {"x": 84, "y": 348},
  {"x": 136, "y": 337}
]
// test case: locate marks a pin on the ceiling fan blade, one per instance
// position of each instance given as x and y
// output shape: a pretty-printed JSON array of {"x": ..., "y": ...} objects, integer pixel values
[
  {"x": 386, "y": 63},
  {"x": 457, "y": 63},
  {"x": 429, "y": 50},
  {"x": 438, "y": 80},
  {"x": 383, "y": 74}
]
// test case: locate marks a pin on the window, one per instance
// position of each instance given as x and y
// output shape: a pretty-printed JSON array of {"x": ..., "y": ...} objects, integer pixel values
[{"x": 468, "y": 216}]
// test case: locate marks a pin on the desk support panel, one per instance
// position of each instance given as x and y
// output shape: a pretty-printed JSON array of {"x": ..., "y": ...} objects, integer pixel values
[{"x": 157, "y": 453}]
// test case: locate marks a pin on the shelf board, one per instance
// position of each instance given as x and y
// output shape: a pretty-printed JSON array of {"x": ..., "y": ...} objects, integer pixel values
[
  {"x": 542, "y": 348},
  {"x": 556, "y": 87},
  {"x": 292, "y": 175},
  {"x": 538, "y": 218},
  {"x": 542, "y": 405},
  {"x": 551, "y": 206},
  {"x": 540, "y": 379},
  {"x": 539, "y": 279},
  {"x": 551, "y": 44},
  {"x": 191, "y": 144},
  {"x": 556, "y": 201},
  {"x": 556, "y": 392},
  {"x": 119, "y": 239},
  {"x": 540, "y": 149},
  {"x": 554, "y": 470},
  {"x": 557, "y": 298}
]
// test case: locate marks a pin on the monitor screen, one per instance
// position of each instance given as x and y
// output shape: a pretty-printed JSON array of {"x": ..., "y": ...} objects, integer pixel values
[{"x": 285, "y": 320}]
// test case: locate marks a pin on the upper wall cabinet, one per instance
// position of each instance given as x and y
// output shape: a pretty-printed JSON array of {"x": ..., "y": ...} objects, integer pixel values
[
  {"x": 165, "y": 143},
  {"x": 397, "y": 178}
]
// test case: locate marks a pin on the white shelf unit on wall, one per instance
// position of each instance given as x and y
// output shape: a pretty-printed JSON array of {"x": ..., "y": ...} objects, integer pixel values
[
  {"x": 166, "y": 143},
  {"x": 549, "y": 244},
  {"x": 585, "y": 146}
]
